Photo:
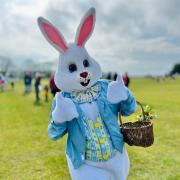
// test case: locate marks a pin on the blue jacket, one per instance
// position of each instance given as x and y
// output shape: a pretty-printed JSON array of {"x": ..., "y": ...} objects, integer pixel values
[{"x": 75, "y": 147}]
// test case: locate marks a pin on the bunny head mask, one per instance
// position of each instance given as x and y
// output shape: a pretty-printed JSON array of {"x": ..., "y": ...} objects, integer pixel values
[{"x": 76, "y": 70}]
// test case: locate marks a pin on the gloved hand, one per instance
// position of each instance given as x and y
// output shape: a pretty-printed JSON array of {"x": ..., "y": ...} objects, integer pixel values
[
  {"x": 65, "y": 109},
  {"x": 117, "y": 91}
]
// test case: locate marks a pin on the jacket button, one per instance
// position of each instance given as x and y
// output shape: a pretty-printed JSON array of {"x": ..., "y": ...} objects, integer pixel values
[
  {"x": 96, "y": 125},
  {"x": 105, "y": 156},
  {"x": 102, "y": 140},
  {"x": 99, "y": 118}
]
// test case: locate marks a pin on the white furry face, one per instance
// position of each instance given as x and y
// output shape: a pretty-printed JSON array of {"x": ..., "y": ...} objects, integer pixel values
[{"x": 76, "y": 70}]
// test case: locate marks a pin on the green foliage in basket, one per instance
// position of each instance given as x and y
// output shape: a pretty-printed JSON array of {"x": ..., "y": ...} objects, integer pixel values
[{"x": 150, "y": 115}]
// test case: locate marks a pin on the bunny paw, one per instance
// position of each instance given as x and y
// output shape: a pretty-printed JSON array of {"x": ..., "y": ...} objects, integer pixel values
[
  {"x": 117, "y": 91},
  {"x": 65, "y": 109}
]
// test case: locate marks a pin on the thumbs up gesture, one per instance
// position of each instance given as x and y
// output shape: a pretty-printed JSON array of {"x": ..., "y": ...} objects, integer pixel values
[
  {"x": 117, "y": 91},
  {"x": 65, "y": 109}
]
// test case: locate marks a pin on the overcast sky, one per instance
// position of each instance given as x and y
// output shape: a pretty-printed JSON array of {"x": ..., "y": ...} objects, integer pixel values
[{"x": 138, "y": 36}]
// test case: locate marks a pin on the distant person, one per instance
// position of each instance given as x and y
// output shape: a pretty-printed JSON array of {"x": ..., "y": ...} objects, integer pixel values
[
  {"x": 126, "y": 79},
  {"x": 12, "y": 81},
  {"x": 46, "y": 90},
  {"x": 12, "y": 84},
  {"x": 52, "y": 85},
  {"x": 2, "y": 83},
  {"x": 115, "y": 77},
  {"x": 28, "y": 82},
  {"x": 109, "y": 76},
  {"x": 37, "y": 85}
]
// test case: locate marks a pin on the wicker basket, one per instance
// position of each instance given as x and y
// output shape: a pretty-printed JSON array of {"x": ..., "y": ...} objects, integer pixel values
[{"x": 139, "y": 133}]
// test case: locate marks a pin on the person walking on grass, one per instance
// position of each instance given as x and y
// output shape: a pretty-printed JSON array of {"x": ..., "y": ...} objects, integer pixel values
[
  {"x": 37, "y": 85},
  {"x": 126, "y": 79},
  {"x": 28, "y": 82},
  {"x": 2, "y": 83},
  {"x": 53, "y": 87},
  {"x": 46, "y": 92}
]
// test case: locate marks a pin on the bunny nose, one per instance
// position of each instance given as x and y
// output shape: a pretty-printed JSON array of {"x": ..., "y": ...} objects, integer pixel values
[{"x": 84, "y": 74}]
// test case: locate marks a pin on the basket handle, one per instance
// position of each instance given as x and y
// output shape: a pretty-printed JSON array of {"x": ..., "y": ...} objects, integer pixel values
[{"x": 142, "y": 109}]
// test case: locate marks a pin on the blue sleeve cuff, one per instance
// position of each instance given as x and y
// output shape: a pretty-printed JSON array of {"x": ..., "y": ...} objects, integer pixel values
[
  {"x": 56, "y": 131},
  {"x": 128, "y": 106}
]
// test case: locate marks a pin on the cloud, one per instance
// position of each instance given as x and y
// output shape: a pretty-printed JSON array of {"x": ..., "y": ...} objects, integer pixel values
[{"x": 129, "y": 35}]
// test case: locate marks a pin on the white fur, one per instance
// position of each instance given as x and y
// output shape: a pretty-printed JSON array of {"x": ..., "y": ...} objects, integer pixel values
[
  {"x": 116, "y": 168},
  {"x": 65, "y": 109},
  {"x": 117, "y": 91},
  {"x": 91, "y": 110},
  {"x": 71, "y": 81}
]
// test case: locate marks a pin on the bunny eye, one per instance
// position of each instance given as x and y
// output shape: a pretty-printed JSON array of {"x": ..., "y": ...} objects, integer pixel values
[
  {"x": 86, "y": 63},
  {"x": 72, "y": 68}
]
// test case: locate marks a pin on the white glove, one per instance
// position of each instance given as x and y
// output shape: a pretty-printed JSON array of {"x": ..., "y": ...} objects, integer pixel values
[
  {"x": 117, "y": 91},
  {"x": 65, "y": 109}
]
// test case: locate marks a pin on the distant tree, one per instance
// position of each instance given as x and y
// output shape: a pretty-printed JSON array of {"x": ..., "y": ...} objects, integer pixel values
[
  {"x": 5, "y": 64},
  {"x": 175, "y": 70},
  {"x": 29, "y": 65}
]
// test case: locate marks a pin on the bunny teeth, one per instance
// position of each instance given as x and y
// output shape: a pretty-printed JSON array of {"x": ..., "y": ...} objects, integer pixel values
[{"x": 85, "y": 82}]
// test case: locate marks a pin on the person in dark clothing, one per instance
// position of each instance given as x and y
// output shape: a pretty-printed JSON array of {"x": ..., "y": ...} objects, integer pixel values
[
  {"x": 46, "y": 90},
  {"x": 109, "y": 76},
  {"x": 126, "y": 79},
  {"x": 12, "y": 81},
  {"x": 12, "y": 85},
  {"x": 53, "y": 87},
  {"x": 27, "y": 82},
  {"x": 115, "y": 76},
  {"x": 37, "y": 85}
]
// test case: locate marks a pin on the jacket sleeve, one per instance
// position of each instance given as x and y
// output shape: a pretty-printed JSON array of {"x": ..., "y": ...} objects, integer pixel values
[
  {"x": 128, "y": 106},
  {"x": 56, "y": 131}
]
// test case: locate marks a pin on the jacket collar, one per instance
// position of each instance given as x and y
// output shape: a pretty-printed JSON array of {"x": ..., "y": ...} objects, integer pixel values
[{"x": 84, "y": 96}]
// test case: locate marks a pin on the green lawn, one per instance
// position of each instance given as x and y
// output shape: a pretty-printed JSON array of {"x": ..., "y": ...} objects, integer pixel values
[{"x": 26, "y": 152}]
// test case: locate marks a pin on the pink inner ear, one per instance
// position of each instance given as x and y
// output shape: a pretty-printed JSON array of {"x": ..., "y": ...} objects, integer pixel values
[
  {"x": 86, "y": 29},
  {"x": 55, "y": 36}
]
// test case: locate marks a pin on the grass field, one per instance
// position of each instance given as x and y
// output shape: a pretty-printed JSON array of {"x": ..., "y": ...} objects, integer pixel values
[{"x": 27, "y": 153}]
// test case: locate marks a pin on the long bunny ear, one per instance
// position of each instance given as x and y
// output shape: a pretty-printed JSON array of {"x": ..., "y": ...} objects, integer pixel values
[
  {"x": 52, "y": 35},
  {"x": 86, "y": 27}
]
